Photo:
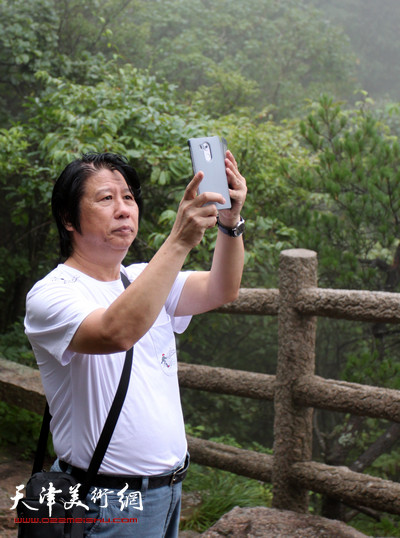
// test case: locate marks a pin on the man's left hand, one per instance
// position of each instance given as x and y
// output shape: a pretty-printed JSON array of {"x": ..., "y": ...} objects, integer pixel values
[{"x": 237, "y": 191}]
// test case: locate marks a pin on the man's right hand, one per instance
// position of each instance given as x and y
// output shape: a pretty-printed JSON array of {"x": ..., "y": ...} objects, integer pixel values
[{"x": 196, "y": 213}]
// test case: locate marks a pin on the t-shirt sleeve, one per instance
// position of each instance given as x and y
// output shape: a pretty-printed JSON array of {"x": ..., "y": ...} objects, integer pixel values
[
  {"x": 179, "y": 323},
  {"x": 54, "y": 311}
]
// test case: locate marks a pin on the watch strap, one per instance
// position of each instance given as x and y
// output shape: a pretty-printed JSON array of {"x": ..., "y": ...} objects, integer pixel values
[{"x": 236, "y": 231}]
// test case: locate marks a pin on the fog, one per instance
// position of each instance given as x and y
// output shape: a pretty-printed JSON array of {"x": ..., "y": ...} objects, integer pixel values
[{"x": 373, "y": 29}]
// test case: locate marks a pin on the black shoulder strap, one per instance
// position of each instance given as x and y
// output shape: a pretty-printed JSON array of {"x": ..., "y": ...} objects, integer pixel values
[
  {"x": 108, "y": 427},
  {"x": 42, "y": 442},
  {"x": 125, "y": 280}
]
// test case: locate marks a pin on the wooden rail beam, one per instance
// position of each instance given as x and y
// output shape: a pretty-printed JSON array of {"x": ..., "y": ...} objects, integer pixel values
[
  {"x": 229, "y": 458},
  {"x": 254, "y": 301},
  {"x": 363, "y": 400},
  {"x": 349, "y": 304},
  {"x": 227, "y": 381},
  {"x": 347, "y": 486}
]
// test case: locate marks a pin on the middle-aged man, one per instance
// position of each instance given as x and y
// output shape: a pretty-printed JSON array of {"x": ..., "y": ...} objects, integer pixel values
[{"x": 80, "y": 320}]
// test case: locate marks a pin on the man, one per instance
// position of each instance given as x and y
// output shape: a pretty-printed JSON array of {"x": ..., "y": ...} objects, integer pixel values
[{"x": 80, "y": 321}]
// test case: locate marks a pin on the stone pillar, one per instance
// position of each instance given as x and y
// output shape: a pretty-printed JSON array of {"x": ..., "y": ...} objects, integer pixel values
[{"x": 296, "y": 357}]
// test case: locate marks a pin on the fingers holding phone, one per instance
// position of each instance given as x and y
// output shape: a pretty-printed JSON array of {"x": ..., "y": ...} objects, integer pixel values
[
  {"x": 196, "y": 213},
  {"x": 237, "y": 186},
  {"x": 192, "y": 192},
  {"x": 220, "y": 175}
]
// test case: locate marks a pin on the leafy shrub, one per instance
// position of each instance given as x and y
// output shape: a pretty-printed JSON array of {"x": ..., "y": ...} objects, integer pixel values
[{"x": 20, "y": 428}]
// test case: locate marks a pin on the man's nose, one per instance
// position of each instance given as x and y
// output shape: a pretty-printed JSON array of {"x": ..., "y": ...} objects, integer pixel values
[{"x": 122, "y": 209}]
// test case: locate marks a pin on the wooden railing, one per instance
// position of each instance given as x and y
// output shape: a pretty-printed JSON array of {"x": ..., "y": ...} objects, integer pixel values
[{"x": 295, "y": 390}]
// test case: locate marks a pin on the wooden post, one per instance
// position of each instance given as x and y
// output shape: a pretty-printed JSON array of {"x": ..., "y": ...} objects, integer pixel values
[{"x": 296, "y": 357}]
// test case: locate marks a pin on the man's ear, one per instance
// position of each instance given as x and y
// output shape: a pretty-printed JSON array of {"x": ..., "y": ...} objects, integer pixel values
[{"x": 67, "y": 224}]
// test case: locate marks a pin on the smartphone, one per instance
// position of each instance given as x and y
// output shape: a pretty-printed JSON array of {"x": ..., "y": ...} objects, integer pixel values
[{"x": 208, "y": 155}]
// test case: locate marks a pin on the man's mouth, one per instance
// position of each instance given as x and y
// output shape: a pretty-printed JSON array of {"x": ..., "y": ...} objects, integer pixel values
[{"x": 124, "y": 229}]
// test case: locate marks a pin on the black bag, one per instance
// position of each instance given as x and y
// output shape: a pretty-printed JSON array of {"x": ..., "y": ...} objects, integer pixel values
[
  {"x": 51, "y": 509},
  {"x": 67, "y": 510}
]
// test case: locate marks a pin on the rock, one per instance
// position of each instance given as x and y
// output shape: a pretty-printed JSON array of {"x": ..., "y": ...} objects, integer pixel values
[
  {"x": 262, "y": 522},
  {"x": 191, "y": 501}
]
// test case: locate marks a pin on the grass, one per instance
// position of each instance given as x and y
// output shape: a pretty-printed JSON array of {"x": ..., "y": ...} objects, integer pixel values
[{"x": 219, "y": 492}]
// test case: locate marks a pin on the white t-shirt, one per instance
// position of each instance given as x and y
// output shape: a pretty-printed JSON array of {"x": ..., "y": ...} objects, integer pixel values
[{"x": 149, "y": 437}]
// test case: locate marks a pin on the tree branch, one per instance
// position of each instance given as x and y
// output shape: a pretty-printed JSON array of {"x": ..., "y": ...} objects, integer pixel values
[{"x": 381, "y": 446}]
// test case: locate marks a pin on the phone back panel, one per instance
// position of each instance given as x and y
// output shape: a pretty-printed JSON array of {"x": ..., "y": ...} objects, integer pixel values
[{"x": 208, "y": 155}]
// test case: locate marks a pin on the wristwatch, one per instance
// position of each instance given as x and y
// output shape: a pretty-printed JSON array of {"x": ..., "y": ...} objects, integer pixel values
[{"x": 233, "y": 232}]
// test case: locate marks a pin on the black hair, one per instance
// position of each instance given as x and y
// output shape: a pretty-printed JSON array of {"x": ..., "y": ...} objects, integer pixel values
[{"x": 69, "y": 189}]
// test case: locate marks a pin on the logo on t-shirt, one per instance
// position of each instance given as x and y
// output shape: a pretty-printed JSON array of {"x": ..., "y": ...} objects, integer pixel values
[{"x": 168, "y": 361}]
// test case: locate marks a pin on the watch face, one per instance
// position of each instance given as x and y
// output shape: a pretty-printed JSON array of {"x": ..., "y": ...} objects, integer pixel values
[
  {"x": 233, "y": 232},
  {"x": 239, "y": 229}
]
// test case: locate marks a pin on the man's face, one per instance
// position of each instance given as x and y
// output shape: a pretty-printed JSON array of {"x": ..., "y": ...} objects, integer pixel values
[{"x": 109, "y": 215}]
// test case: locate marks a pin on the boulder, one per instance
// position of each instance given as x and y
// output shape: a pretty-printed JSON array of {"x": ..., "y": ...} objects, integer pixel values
[{"x": 272, "y": 523}]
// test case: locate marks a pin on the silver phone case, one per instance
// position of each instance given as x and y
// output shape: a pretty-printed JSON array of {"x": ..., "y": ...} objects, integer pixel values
[{"x": 208, "y": 155}]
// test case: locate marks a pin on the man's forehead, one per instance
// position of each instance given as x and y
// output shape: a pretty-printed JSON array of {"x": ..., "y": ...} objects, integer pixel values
[{"x": 104, "y": 179}]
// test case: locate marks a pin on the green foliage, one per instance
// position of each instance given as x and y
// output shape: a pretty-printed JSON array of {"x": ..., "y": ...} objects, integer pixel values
[
  {"x": 20, "y": 429},
  {"x": 351, "y": 220},
  {"x": 28, "y": 42},
  {"x": 225, "y": 92},
  {"x": 387, "y": 525},
  {"x": 262, "y": 148},
  {"x": 62, "y": 38},
  {"x": 123, "y": 111},
  {"x": 244, "y": 421},
  {"x": 221, "y": 491},
  {"x": 233, "y": 53},
  {"x": 235, "y": 344},
  {"x": 355, "y": 200},
  {"x": 24, "y": 218},
  {"x": 225, "y": 55},
  {"x": 375, "y": 370},
  {"x": 14, "y": 345}
]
